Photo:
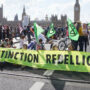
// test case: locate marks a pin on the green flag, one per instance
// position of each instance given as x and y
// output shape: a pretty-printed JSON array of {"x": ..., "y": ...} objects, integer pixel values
[
  {"x": 38, "y": 30},
  {"x": 51, "y": 32},
  {"x": 88, "y": 24},
  {"x": 73, "y": 33}
]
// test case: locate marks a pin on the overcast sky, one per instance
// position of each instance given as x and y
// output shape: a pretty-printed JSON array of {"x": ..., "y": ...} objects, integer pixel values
[{"x": 39, "y": 8}]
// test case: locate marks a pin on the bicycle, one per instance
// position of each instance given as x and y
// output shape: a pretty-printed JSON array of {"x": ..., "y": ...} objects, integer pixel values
[
  {"x": 61, "y": 44},
  {"x": 64, "y": 44}
]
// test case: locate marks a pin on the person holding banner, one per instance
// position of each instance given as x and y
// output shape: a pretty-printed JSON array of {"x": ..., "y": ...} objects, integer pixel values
[
  {"x": 40, "y": 46},
  {"x": 22, "y": 41},
  {"x": 25, "y": 46}
]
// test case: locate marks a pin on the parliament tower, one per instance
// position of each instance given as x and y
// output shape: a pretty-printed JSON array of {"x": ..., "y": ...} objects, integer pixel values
[
  {"x": 24, "y": 13},
  {"x": 77, "y": 11}
]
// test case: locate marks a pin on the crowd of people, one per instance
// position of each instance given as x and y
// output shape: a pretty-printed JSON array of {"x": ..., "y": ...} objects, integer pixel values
[
  {"x": 6, "y": 39},
  {"x": 28, "y": 41},
  {"x": 27, "y": 34}
]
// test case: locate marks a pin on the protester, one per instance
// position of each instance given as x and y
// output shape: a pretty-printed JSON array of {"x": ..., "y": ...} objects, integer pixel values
[
  {"x": 29, "y": 34},
  {"x": 25, "y": 46},
  {"x": 2, "y": 45},
  {"x": 42, "y": 36},
  {"x": 11, "y": 42},
  {"x": 40, "y": 46},
  {"x": 80, "y": 41},
  {"x": 7, "y": 32},
  {"x": 22, "y": 41},
  {"x": 3, "y": 34},
  {"x": 0, "y": 33},
  {"x": 85, "y": 36},
  {"x": 67, "y": 33},
  {"x": 25, "y": 30},
  {"x": 32, "y": 45}
]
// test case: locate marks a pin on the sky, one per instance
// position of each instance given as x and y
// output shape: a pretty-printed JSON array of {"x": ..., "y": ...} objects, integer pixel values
[{"x": 39, "y": 8}]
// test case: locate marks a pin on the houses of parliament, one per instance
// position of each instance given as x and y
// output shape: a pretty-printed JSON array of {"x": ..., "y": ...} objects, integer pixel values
[{"x": 44, "y": 23}]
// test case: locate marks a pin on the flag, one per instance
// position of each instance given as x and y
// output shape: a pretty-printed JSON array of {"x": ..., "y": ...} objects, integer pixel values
[
  {"x": 73, "y": 33},
  {"x": 37, "y": 30},
  {"x": 51, "y": 32},
  {"x": 88, "y": 24}
]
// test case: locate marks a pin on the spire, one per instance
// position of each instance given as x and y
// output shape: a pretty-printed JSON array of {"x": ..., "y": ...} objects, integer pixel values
[
  {"x": 24, "y": 11},
  {"x": 46, "y": 18},
  {"x": 16, "y": 18},
  {"x": 77, "y": 2}
]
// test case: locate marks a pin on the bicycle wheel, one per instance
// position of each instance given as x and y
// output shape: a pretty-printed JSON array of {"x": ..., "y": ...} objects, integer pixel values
[{"x": 62, "y": 45}]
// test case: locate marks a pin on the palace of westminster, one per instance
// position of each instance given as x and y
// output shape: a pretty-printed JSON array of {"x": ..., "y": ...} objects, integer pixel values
[{"x": 43, "y": 23}]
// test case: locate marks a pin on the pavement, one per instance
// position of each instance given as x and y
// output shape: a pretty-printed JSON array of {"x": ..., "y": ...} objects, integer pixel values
[{"x": 13, "y": 77}]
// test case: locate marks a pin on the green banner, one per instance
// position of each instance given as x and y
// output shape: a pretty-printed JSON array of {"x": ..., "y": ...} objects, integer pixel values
[{"x": 52, "y": 60}]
